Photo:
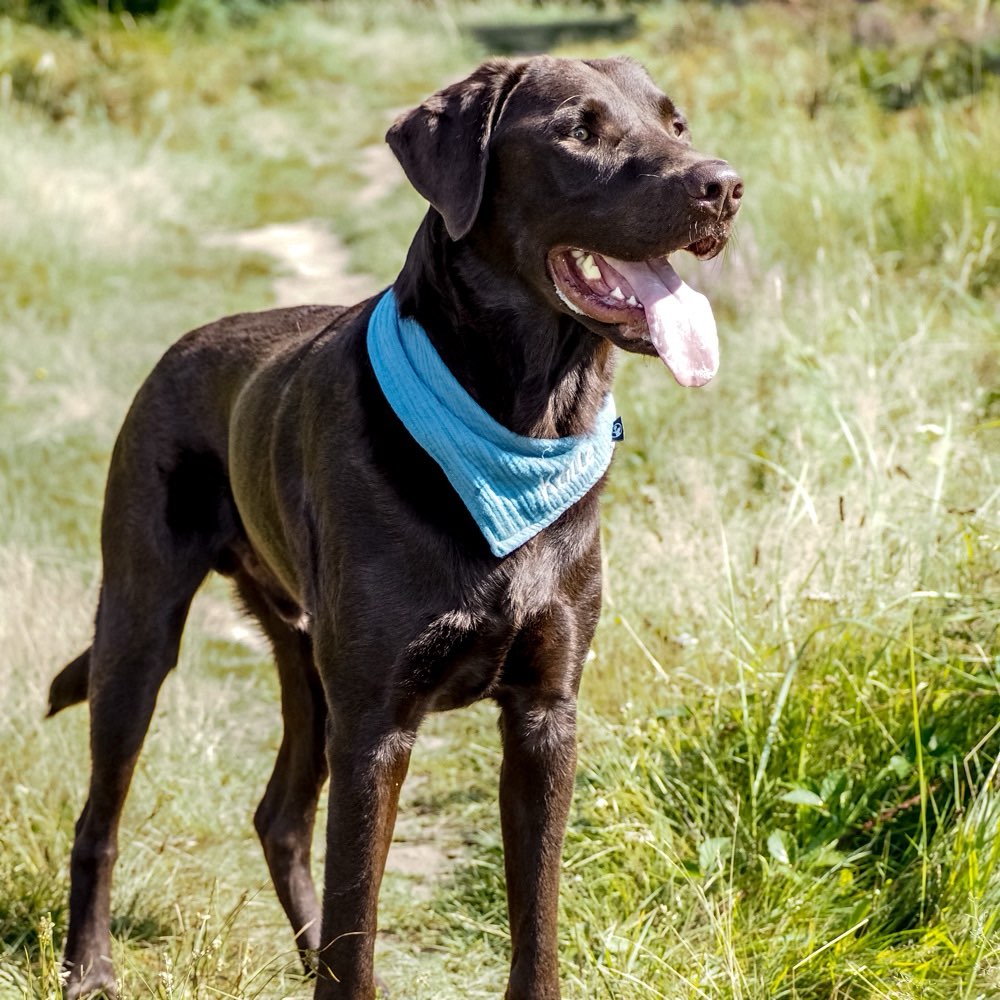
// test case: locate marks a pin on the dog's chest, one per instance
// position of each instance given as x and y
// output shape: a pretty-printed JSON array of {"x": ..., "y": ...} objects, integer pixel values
[{"x": 467, "y": 652}]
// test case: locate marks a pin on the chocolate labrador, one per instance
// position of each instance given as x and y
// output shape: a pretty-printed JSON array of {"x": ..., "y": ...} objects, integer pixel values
[{"x": 295, "y": 450}]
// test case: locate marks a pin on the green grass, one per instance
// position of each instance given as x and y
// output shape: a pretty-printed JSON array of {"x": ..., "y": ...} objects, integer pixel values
[{"x": 789, "y": 724}]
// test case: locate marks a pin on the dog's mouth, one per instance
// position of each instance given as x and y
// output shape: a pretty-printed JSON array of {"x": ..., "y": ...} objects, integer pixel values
[{"x": 648, "y": 302}]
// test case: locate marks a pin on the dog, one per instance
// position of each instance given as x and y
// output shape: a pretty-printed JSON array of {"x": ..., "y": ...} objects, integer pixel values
[{"x": 405, "y": 493}]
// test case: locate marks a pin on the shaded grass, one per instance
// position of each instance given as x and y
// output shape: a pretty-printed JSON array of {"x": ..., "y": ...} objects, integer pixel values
[{"x": 787, "y": 783}]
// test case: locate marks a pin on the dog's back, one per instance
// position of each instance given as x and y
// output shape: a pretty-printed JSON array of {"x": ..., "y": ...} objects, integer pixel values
[{"x": 178, "y": 427}]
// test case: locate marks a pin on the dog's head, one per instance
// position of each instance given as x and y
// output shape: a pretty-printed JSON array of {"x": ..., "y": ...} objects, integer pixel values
[{"x": 583, "y": 173}]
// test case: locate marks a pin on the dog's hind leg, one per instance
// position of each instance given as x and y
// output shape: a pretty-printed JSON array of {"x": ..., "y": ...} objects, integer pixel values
[
  {"x": 285, "y": 817},
  {"x": 135, "y": 647},
  {"x": 157, "y": 546}
]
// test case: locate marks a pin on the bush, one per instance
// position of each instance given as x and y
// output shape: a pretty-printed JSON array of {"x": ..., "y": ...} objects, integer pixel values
[{"x": 197, "y": 14}]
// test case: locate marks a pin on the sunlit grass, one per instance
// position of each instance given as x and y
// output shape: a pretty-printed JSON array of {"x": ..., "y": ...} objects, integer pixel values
[{"x": 789, "y": 724}]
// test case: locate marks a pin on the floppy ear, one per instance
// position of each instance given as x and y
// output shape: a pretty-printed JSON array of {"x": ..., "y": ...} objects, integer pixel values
[{"x": 443, "y": 146}]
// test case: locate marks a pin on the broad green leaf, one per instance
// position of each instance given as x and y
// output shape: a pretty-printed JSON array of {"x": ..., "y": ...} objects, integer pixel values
[
  {"x": 712, "y": 853},
  {"x": 777, "y": 846},
  {"x": 803, "y": 797}
]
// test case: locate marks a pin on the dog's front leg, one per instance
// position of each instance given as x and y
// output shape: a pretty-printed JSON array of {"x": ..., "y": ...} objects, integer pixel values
[
  {"x": 368, "y": 756},
  {"x": 536, "y": 785}
]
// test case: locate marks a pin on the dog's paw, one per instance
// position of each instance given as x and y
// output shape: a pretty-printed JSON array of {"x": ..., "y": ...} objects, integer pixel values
[{"x": 93, "y": 986}]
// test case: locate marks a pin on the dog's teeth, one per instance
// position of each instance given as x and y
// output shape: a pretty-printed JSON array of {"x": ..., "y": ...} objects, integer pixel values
[
  {"x": 576, "y": 254},
  {"x": 617, "y": 293},
  {"x": 589, "y": 269},
  {"x": 632, "y": 301}
]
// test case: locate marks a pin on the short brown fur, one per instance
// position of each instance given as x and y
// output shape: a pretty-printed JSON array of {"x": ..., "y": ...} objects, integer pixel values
[{"x": 262, "y": 447}]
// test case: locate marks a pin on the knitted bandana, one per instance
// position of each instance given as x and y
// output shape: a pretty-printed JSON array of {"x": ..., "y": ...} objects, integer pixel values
[{"x": 513, "y": 486}]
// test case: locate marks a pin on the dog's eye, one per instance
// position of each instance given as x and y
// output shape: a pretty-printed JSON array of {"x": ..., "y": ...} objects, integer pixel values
[
  {"x": 580, "y": 133},
  {"x": 679, "y": 127}
]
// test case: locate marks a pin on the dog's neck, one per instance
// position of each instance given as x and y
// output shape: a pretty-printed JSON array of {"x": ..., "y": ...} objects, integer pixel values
[{"x": 536, "y": 371}]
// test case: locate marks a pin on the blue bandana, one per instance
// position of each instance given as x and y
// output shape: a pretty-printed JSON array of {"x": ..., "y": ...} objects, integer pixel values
[{"x": 513, "y": 486}]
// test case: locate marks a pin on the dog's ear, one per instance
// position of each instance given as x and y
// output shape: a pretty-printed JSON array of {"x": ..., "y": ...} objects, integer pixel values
[{"x": 443, "y": 145}]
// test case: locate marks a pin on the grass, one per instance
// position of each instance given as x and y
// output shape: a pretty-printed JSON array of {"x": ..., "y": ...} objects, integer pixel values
[{"x": 789, "y": 724}]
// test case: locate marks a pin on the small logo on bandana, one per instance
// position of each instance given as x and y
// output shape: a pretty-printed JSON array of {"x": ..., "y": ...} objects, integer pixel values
[{"x": 618, "y": 430}]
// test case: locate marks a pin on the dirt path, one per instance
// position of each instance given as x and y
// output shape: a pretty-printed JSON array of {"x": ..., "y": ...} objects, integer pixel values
[
  {"x": 317, "y": 264},
  {"x": 314, "y": 260}
]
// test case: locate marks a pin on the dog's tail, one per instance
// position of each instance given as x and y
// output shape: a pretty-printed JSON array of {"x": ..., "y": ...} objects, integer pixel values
[{"x": 70, "y": 685}]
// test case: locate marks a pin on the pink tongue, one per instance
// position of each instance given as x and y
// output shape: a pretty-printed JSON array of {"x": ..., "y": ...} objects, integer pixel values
[{"x": 680, "y": 320}]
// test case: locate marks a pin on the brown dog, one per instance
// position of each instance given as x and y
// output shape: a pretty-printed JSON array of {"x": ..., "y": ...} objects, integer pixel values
[{"x": 264, "y": 447}]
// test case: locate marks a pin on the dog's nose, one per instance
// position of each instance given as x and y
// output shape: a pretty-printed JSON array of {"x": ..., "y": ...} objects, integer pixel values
[{"x": 716, "y": 187}]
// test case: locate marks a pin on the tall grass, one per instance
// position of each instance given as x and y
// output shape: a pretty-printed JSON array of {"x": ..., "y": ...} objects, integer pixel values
[{"x": 789, "y": 729}]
